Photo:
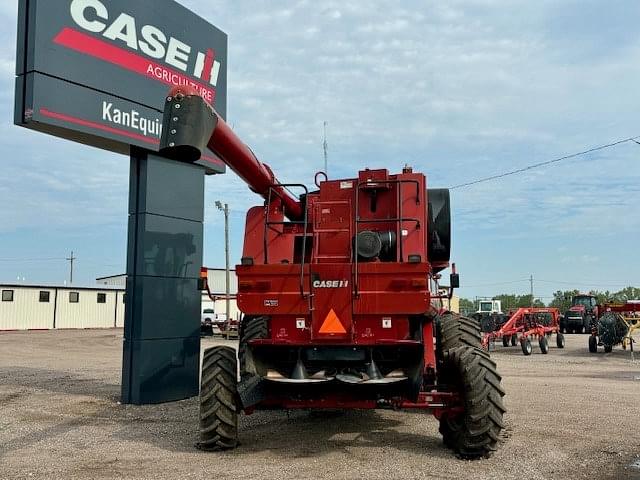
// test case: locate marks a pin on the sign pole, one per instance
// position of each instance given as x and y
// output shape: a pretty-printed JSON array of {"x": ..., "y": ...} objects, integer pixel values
[{"x": 161, "y": 356}]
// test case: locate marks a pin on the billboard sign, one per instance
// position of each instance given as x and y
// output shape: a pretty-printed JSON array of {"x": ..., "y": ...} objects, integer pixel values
[{"x": 97, "y": 71}]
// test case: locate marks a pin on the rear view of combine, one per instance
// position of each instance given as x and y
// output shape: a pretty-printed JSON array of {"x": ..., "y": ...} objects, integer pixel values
[{"x": 336, "y": 288}]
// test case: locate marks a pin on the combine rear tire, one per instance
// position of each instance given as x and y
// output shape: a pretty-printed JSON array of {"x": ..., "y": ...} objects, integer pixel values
[
  {"x": 559, "y": 340},
  {"x": 218, "y": 405},
  {"x": 473, "y": 434},
  {"x": 514, "y": 340},
  {"x": 593, "y": 344},
  {"x": 544, "y": 344},
  {"x": 455, "y": 331},
  {"x": 525, "y": 343},
  {"x": 251, "y": 328}
]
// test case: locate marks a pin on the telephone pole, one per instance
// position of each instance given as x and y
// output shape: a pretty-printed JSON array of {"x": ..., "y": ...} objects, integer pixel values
[
  {"x": 225, "y": 209},
  {"x": 325, "y": 149},
  {"x": 531, "y": 281},
  {"x": 70, "y": 260}
]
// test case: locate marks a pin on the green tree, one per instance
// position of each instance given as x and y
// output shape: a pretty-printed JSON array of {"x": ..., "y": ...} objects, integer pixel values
[
  {"x": 467, "y": 306},
  {"x": 562, "y": 299}
]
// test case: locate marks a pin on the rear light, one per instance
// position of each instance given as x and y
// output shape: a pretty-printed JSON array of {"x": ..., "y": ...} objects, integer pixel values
[
  {"x": 406, "y": 283},
  {"x": 419, "y": 283}
]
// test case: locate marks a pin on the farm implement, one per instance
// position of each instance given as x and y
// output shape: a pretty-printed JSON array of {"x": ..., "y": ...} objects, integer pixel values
[
  {"x": 615, "y": 326},
  {"x": 524, "y": 325}
]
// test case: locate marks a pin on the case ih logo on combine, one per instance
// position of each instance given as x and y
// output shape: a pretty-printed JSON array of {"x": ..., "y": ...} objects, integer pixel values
[
  {"x": 330, "y": 283},
  {"x": 93, "y": 16}
]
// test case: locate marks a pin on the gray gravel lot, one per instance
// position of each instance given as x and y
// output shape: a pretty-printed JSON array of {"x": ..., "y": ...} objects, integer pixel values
[{"x": 571, "y": 414}]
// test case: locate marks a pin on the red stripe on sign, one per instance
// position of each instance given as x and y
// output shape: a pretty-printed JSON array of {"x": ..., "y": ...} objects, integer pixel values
[
  {"x": 83, "y": 43},
  {"x": 98, "y": 126},
  {"x": 116, "y": 131}
]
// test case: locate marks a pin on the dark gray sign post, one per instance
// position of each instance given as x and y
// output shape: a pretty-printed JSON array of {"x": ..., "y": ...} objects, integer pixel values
[{"x": 97, "y": 72}]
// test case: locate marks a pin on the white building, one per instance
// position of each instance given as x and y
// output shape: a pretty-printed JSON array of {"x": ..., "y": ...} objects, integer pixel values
[{"x": 43, "y": 307}]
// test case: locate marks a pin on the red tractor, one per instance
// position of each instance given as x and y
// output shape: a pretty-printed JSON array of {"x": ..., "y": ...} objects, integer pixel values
[
  {"x": 582, "y": 314},
  {"x": 336, "y": 288}
]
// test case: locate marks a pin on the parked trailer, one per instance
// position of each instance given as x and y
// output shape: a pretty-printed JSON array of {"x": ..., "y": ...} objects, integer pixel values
[{"x": 525, "y": 324}]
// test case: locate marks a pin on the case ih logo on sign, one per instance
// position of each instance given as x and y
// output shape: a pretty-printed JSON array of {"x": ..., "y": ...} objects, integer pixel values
[{"x": 97, "y": 71}]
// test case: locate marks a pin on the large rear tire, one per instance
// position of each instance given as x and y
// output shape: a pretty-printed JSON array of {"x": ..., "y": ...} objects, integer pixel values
[
  {"x": 251, "y": 328},
  {"x": 463, "y": 365},
  {"x": 453, "y": 331},
  {"x": 218, "y": 399},
  {"x": 475, "y": 433}
]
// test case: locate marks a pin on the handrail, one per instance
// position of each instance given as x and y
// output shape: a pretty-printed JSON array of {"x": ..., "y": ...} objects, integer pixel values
[
  {"x": 276, "y": 188},
  {"x": 399, "y": 219}
]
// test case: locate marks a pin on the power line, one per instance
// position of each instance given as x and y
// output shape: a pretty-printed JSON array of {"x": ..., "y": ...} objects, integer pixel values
[
  {"x": 586, "y": 283},
  {"x": 496, "y": 283},
  {"x": 548, "y": 162},
  {"x": 32, "y": 259}
]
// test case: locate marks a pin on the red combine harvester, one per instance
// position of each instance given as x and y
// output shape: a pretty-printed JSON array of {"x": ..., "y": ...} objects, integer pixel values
[
  {"x": 525, "y": 324},
  {"x": 336, "y": 290}
]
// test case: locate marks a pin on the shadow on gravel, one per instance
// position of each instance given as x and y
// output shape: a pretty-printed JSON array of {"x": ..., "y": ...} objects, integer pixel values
[
  {"x": 174, "y": 426},
  {"x": 314, "y": 434}
]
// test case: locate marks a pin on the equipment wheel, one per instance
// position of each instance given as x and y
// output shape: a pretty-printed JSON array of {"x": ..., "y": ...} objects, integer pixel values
[
  {"x": 505, "y": 341},
  {"x": 514, "y": 340},
  {"x": 544, "y": 344},
  {"x": 560, "y": 340},
  {"x": 593, "y": 344},
  {"x": 218, "y": 399},
  {"x": 251, "y": 328},
  {"x": 474, "y": 433},
  {"x": 525, "y": 343},
  {"x": 608, "y": 348}
]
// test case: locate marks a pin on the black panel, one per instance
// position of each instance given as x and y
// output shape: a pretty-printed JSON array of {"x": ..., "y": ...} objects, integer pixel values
[{"x": 439, "y": 242}]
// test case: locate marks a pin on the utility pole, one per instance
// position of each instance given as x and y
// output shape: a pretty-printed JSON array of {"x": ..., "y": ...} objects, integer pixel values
[
  {"x": 225, "y": 209},
  {"x": 70, "y": 260},
  {"x": 531, "y": 281},
  {"x": 325, "y": 149}
]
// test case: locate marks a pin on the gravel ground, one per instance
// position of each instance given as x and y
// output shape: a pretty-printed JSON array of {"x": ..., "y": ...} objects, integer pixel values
[{"x": 570, "y": 414}]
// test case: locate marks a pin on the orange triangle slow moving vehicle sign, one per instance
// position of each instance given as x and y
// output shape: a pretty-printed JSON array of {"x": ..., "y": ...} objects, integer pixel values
[{"x": 332, "y": 324}]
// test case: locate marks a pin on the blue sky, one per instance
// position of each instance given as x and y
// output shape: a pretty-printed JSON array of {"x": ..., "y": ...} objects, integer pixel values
[{"x": 458, "y": 89}]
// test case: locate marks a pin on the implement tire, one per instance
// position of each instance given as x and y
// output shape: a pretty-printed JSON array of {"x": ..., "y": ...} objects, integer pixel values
[
  {"x": 218, "y": 399},
  {"x": 474, "y": 433},
  {"x": 251, "y": 328}
]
